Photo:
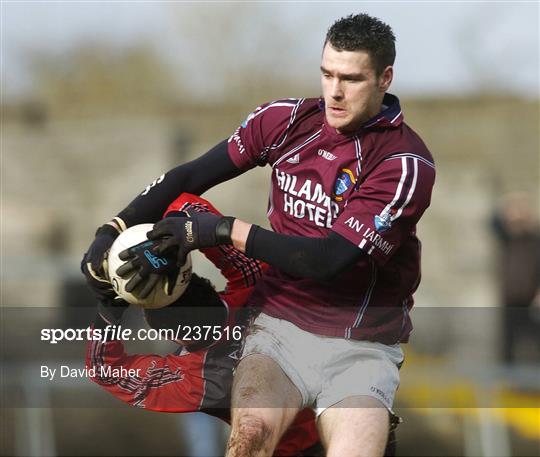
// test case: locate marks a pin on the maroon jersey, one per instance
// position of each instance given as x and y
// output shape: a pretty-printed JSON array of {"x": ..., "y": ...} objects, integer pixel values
[
  {"x": 370, "y": 187},
  {"x": 194, "y": 381}
]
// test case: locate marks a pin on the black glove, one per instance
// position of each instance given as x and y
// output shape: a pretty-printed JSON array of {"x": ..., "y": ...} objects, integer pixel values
[
  {"x": 184, "y": 234},
  {"x": 172, "y": 239},
  {"x": 93, "y": 262},
  {"x": 112, "y": 309},
  {"x": 149, "y": 268}
]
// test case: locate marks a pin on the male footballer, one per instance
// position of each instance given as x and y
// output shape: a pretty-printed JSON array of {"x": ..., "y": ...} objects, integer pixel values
[{"x": 350, "y": 181}]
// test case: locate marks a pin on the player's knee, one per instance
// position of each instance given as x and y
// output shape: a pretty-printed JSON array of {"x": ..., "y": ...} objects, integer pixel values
[
  {"x": 250, "y": 436},
  {"x": 255, "y": 429}
]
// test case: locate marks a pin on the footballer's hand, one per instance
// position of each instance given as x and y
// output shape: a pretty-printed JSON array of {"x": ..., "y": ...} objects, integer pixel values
[
  {"x": 184, "y": 234},
  {"x": 147, "y": 268},
  {"x": 111, "y": 310},
  {"x": 94, "y": 262}
]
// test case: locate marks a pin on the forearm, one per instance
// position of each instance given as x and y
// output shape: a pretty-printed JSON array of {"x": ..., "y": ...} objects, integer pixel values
[
  {"x": 239, "y": 234},
  {"x": 194, "y": 177},
  {"x": 306, "y": 257}
]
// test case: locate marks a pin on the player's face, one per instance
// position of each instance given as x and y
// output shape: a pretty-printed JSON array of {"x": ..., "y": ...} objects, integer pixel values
[{"x": 352, "y": 90}]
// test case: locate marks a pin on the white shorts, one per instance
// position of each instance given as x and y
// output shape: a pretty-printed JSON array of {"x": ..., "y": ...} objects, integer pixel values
[{"x": 327, "y": 370}]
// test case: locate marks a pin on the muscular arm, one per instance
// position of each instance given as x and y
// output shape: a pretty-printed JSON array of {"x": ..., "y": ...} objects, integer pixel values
[
  {"x": 194, "y": 177},
  {"x": 306, "y": 257},
  {"x": 319, "y": 258}
]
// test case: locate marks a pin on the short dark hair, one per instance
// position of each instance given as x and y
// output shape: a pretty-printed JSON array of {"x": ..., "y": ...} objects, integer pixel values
[
  {"x": 200, "y": 304},
  {"x": 362, "y": 32}
]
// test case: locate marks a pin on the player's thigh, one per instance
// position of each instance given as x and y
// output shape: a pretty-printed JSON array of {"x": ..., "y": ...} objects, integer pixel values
[
  {"x": 263, "y": 393},
  {"x": 356, "y": 427}
]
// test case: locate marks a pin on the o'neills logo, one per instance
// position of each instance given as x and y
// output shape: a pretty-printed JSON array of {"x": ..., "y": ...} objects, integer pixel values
[
  {"x": 326, "y": 155},
  {"x": 189, "y": 231}
]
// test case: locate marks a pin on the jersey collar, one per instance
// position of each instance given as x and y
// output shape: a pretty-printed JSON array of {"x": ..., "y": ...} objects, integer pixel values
[{"x": 391, "y": 116}]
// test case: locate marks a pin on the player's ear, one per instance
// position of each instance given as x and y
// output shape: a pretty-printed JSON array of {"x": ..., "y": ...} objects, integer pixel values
[{"x": 385, "y": 79}]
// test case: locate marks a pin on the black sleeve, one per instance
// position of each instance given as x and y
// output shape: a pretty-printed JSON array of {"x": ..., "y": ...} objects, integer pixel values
[
  {"x": 194, "y": 177},
  {"x": 304, "y": 257}
]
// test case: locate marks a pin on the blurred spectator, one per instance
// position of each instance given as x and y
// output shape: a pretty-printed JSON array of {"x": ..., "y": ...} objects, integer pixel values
[{"x": 516, "y": 227}]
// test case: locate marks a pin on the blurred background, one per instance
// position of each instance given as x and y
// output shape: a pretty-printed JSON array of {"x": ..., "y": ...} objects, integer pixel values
[{"x": 100, "y": 98}]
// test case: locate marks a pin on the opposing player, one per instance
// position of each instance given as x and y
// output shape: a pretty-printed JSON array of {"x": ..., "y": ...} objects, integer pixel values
[
  {"x": 198, "y": 377},
  {"x": 350, "y": 181}
]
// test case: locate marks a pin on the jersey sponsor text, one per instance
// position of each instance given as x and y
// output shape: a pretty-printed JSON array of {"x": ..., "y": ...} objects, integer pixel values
[
  {"x": 306, "y": 200},
  {"x": 378, "y": 241},
  {"x": 355, "y": 224}
]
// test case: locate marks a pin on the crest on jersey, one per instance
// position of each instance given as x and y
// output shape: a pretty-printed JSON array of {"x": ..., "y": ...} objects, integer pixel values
[
  {"x": 344, "y": 182},
  {"x": 383, "y": 221}
]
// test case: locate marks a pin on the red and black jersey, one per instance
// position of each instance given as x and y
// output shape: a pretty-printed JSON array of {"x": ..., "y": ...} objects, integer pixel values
[
  {"x": 193, "y": 381},
  {"x": 371, "y": 187}
]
